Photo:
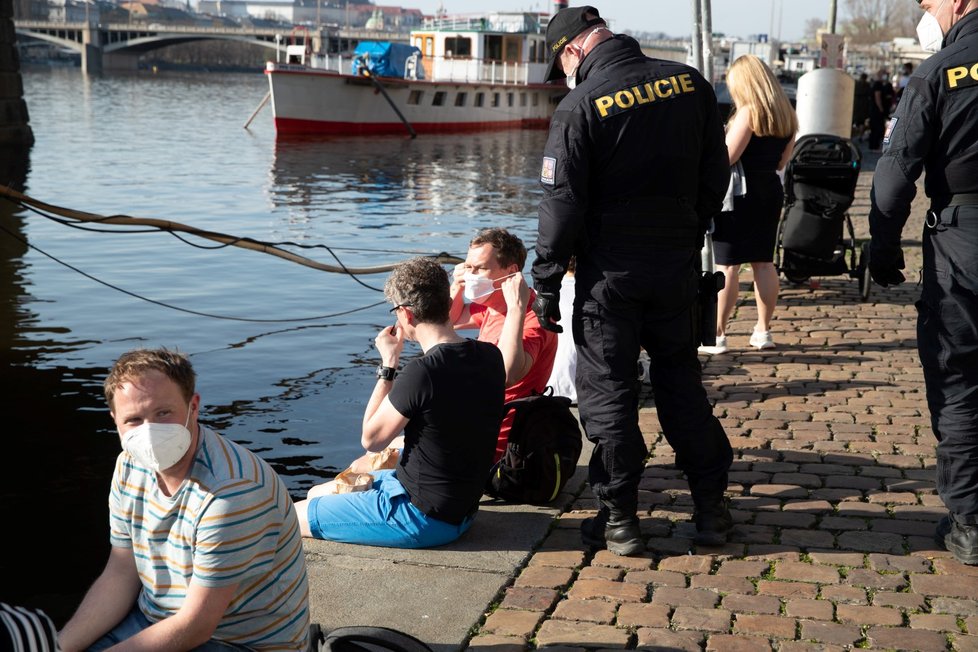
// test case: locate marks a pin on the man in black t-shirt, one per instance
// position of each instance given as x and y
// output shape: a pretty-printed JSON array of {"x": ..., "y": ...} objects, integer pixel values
[
  {"x": 448, "y": 403},
  {"x": 881, "y": 102}
]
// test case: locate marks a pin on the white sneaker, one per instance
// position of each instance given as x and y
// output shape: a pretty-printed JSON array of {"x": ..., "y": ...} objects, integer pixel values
[
  {"x": 719, "y": 347},
  {"x": 762, "y": 340}
]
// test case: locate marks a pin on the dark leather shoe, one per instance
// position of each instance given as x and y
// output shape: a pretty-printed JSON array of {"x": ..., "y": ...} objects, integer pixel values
[
  {"x": 622, "y": 537},
  {"x": 713, "y": 524},
  {"x": 958, "y": 539}
]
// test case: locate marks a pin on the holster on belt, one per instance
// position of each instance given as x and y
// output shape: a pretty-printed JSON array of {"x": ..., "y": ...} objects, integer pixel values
[{"x": 710, "y": 285}]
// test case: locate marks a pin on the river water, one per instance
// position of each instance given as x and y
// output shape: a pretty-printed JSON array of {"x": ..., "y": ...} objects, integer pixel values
[{"x": 172, "y": 146}]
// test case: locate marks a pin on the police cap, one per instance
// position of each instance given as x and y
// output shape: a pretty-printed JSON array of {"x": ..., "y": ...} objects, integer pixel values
[{"x": 561, "y": 30}]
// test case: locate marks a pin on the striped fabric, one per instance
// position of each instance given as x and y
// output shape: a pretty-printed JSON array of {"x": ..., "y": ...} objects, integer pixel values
[
  {"x": 231, "y": 522},
  {"x": 26, "y": 630}
]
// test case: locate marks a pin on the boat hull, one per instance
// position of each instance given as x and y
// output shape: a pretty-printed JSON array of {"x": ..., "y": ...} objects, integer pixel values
[{"x": 309, "y": 101}]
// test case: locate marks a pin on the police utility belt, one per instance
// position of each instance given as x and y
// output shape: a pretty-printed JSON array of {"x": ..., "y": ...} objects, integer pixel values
[{"x": 933, "y": 217}]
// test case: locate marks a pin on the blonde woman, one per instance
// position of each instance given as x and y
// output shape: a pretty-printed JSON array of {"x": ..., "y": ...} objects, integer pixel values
[{"x": 760, "y": 134}]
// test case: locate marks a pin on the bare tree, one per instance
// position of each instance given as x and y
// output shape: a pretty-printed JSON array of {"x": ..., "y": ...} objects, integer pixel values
[
  {"x": 812, "y": 25},
  {"x": 872, "y": 21}
]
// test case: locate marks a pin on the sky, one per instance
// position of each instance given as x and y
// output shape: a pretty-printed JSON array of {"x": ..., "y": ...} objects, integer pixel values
[{"x": 783, "y": 19}]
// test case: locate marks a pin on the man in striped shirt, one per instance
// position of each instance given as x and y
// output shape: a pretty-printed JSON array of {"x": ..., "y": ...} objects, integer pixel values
[{"x": 206, "y": 550}]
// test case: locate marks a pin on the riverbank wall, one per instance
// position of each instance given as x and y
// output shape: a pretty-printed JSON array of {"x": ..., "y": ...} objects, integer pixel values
[{"x": 15, "y": 130}]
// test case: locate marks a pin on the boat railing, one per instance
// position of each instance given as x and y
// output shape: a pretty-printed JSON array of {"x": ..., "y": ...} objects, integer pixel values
[
  {"x": 505, "y": 22},
  {"x": 479, "y": 70},
  {"x": 449, "y": 69}
]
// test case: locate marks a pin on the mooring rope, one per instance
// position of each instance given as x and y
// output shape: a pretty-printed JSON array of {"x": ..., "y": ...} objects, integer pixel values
[{"x": 215, "y": 236}]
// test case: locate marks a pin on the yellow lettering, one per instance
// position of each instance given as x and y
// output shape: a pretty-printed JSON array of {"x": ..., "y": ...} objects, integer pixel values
[
  {"x": 954, "y": 75},
  {"x": 620, "y": 102},
  {"x": 603, "y": 104},
  {"x": 556, "y": 46},
  {"x": 658, "y": 88},
  {"x": 974, "y": 72},
  {"x": 638, "y": 96},
  {"x": 649, "y": 92},
  {"x": 686, "y": 82},
  {"x": 675, "y": 86}
]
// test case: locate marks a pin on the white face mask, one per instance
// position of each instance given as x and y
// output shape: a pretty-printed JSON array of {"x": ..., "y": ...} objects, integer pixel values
[
  {"x": 477, "y": 288},
  {"x": 571, "y": 79},
  {"x": 157, "y": 446},
  {"x": 929, "y": 31}
]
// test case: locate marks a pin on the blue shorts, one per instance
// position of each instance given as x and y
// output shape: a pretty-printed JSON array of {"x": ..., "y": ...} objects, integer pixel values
[
  {"x": 136, "y": 622},
  {"x": 380, "y": 516}
]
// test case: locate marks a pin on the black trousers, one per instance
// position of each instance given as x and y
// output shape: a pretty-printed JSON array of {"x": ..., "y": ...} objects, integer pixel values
[
  {"x": 626, "y": 299},
  {"x": 947, "y": 340}
]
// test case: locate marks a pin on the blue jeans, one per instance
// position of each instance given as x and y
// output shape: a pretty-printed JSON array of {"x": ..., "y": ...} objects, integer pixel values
[
  {"x": 380, "y": 516},
  {"x": 136, "y": 622}
]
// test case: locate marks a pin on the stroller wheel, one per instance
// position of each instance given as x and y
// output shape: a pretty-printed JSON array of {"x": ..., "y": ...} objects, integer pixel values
[
  {"x": 862, "y": 273},
  {"x": 797, "y": 279}
]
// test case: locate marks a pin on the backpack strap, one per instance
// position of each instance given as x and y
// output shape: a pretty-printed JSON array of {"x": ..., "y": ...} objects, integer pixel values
[{"x": 349, "y": 639}]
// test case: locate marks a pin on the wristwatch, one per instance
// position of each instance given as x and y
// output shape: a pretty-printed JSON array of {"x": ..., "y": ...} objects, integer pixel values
[{"x": 386, "y": 373}]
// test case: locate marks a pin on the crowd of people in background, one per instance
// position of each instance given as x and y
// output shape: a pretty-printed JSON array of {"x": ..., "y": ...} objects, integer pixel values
[{"x": 874, "y": 101}]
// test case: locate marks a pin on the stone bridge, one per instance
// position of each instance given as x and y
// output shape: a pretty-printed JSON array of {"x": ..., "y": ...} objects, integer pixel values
[{"x": 117, "y": 46}]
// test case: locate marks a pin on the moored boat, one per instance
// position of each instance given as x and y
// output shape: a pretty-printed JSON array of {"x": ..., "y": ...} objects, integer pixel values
[{"x": 459, "y": 74}]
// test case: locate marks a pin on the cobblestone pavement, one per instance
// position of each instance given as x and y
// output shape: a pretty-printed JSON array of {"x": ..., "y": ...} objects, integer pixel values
[{"x": 832, "y": 490}]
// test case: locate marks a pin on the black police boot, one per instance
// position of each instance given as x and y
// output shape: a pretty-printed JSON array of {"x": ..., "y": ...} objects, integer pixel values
[
  {"x": 958, "y": 539},
  {"x": 615, "y": 529},
  {"x": 592, "y": 531},
  {"x": 713, "y": 522}
]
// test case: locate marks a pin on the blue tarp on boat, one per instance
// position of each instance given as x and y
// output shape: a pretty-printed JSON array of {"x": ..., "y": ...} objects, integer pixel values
[{"x": 384, "y": 59}]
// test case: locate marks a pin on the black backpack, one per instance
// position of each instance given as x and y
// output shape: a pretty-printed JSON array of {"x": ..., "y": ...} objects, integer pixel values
[
  {"x": 363, "y": 639},
  {"x": 541, "y": 455}
]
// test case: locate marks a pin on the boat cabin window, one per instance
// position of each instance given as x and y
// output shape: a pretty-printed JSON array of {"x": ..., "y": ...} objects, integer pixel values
[
  {"x": 494, "y": 47},
  {"x": 439, "y": 99},
  {"x": 415, "y": 97},
  {"x": 536, "y": 99},
  {"x": 509, "y": 99},
  {"x": 537, "y": 51},
  {"x": 495, "y": 99},
  {"x": 502, "y": 48},
  {"x": 458, "y": 46},
  {"x": 480, "y": 99},
  {"x": 460, "y": 99}
]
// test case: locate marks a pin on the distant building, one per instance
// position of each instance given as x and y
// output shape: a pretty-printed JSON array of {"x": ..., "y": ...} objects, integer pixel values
[
  {"x": 301, "y": 12},
  {"x": 66, "y": 11},
  {"x": 760, "y": 46},
  {"x": 798, "y": 63}
]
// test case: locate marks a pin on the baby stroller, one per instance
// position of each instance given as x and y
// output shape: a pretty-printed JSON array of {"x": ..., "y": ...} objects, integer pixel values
[{"x": 815, "y": 234}]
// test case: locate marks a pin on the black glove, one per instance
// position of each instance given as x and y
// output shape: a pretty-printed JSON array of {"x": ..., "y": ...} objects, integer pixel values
[
  {"x": 885, "y": 270},
  {"x": 547, "y": 309}
]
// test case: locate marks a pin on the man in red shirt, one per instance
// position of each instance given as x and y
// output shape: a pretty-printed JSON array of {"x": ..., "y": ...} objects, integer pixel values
[{"x": 489, "y": 293}]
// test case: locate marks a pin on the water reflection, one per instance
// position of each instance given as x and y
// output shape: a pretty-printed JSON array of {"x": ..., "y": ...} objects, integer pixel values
[
  {"x": 57, "y": 448},
  {"x": 434, "y": 187},
  {"x": 172, "y": 147}
]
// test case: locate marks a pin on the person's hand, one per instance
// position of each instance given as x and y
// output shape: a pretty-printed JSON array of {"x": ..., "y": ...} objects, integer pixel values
[
  {"x": 458, "y": 280},
  {"x": 885, "y": 270},
  {"x": 516, "y": 292},
  {"x": 547, "y": 309},
  {"x": 390, "y": 343}
]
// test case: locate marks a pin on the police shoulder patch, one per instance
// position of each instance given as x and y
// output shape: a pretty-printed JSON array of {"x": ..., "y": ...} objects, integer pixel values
[
  {"x": 889, "y": 129},
  {"x": 958, "y": 77},
  {"x": 548, "y": 171}
]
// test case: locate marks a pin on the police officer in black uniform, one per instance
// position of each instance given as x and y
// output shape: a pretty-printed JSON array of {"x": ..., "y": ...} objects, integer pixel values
[
  {"x": 935, "y": 129},
  {"x": 634, "y": 168}
]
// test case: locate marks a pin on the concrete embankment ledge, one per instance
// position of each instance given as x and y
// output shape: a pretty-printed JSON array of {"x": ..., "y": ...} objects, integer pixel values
[
  {"x": 436, "y": 595},
  {"x": 832, "y": 490}
]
